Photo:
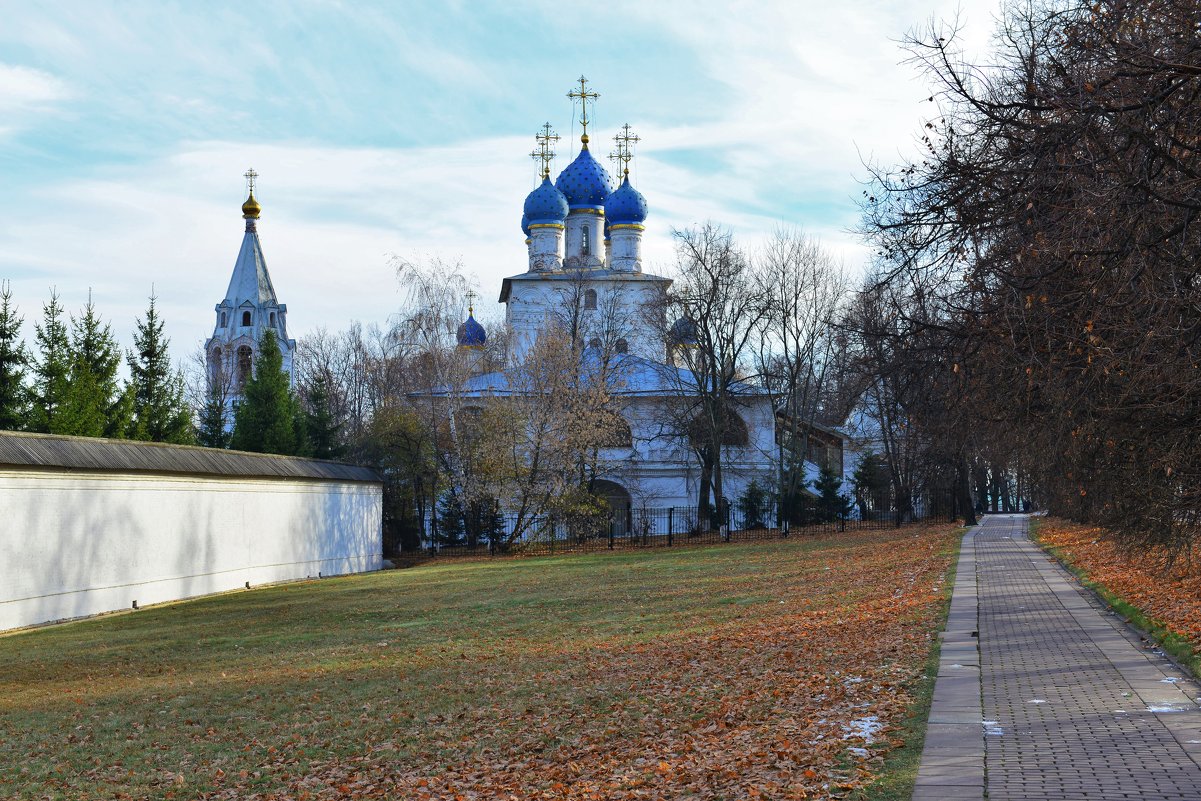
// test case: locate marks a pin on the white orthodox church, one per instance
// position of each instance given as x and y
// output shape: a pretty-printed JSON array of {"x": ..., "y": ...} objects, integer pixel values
[
  {"x": 249, "y": 309},
  {"x": 584, "y": 241}
]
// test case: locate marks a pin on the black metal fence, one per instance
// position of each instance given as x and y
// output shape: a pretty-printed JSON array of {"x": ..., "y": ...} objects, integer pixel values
[{"x": 634, "y": 528}]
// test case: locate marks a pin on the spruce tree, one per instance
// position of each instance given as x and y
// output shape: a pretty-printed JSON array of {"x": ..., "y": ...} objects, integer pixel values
[
  {"x": 159, "y": 411},
  {"x": 830, "y": 504},
  {"x": 211, "y": 431},
  {"x": 51, "y": 369},
  {"x": 13, "y": 361},
  {"x": 322, "y": 429},
  {"x": 268, "y": 419},
  {"x": 95, "y": 404}
]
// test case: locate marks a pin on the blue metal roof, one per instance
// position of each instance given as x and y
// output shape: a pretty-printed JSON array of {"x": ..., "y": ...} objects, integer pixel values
[{"x": 584, "y": 182}]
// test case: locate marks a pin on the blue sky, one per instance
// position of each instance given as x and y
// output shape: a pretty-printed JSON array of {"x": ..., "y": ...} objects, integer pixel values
[{"x": 404, "y": 128}]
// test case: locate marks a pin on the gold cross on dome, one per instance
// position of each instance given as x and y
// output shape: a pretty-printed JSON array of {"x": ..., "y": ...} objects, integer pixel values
[
  {"x": 584, "y": 96},
  {"x": 471, "y": 296},
  {"x": 250, "y": 175},
  {"x": 545, "y": 152},
  {"x": 624, "y": 150}
]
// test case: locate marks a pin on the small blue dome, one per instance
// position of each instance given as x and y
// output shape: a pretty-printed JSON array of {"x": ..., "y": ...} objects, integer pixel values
[
  {"x": 525, "y": 225},
  {"x": 682, "y": 333},
  {"x": 625, "y": 206},
  {"x": 584, "y": 182},
  {"x": 471, "y": 334},
  {"x": 545, "y": 205}
]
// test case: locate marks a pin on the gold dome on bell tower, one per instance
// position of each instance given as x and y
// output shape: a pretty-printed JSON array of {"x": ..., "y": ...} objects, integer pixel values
[{"x": 251, "y": 208}]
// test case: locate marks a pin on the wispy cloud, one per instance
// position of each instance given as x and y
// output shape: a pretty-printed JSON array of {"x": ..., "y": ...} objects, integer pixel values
[{"x": 377, "y": 133}]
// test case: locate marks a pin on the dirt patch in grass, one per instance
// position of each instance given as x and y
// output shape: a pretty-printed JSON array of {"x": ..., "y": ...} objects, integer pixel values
[
  {"x": 775, "y": 670},
  {"x": 1163, "y": 601}
]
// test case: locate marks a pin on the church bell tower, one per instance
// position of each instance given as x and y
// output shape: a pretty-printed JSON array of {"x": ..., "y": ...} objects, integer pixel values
[{"x": 250, "y": 309}]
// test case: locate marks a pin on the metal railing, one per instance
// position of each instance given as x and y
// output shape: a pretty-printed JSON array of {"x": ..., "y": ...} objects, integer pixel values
[{"x": 659, "y": 527}]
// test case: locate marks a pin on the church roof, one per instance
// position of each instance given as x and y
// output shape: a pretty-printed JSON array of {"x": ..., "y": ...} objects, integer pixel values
[
  {"x": 250, "y": 280},
  {"x": 584, "y": 182},
  {"x": 471, "y": 334},
  {"x": 544, "y": 205},
  {"x": 625, "y": 206}
]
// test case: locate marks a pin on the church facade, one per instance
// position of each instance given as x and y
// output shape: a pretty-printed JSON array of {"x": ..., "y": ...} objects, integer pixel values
[
  {"x": 585, "y": 270},
  {"x": 249, "y": 309}
]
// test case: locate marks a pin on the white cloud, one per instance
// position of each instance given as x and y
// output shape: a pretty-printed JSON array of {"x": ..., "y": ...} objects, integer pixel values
[
  {"x": 24, "y": 88},
  {"x": 805, "y": 89}
]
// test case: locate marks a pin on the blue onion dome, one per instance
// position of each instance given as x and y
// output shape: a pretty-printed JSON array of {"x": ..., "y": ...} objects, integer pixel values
[
  {"x": 626, "y": 206},
  {"x": 525, "y": 225},
  {"x": 682, "y": 333},
  {"x": 471, "y": 334},
  {"x": 545, "y": 205},
  {"x": 584, "y": 182}
]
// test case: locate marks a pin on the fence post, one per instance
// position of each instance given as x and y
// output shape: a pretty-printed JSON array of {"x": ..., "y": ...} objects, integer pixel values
[
  {"x": 725, "y": 532},
  {"x": 670, "y": 530},
  {"x": 612, "y": 525},
  {"x": 784, "y": 528}
]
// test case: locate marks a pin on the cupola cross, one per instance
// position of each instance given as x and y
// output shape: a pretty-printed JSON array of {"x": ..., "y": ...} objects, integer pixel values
[
  {"x": 585, "y": 97},
  {"x": 471, "y": 296},
  {"x": 545, "y": 151},
  {"x": 250, "y": 175},
  {"x": 623, "y": 154}
]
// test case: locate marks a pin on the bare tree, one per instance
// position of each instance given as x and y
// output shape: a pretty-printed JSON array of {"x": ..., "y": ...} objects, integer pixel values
[
  {"x": 799, "y": 344},
  {"x": 717, "y": 294}
]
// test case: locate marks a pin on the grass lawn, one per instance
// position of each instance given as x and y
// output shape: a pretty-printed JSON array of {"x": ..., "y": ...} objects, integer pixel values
[{"x": 771, "y": 670}]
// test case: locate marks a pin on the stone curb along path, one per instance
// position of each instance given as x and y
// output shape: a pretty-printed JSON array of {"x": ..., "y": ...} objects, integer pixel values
[{"x": 1042, "y": 694}]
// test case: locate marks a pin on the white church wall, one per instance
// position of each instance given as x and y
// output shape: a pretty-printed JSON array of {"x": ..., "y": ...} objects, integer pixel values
[
  {"x": 664, "y": 471},
  {"x": 532, "y": 303},
  {"x": 75, "y": 543}
]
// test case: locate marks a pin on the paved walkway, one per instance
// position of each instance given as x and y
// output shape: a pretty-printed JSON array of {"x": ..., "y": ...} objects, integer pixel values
[{"x": 1042, "y": 694}]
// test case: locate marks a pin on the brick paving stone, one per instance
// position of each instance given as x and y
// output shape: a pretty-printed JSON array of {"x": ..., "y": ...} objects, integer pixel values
[
  {"x": 1070, "y": 705},
  {"x": 1072, "y": 698}
]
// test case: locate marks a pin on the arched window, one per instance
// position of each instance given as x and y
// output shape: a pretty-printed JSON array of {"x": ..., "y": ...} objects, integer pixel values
[
  {"x": 615, "y": 431},
  {"x": 222, "y": 319},
  {"x": 590, "y": 299},
  {"x": 735, "y": 435},
  {"x": 621, "y": 346},
  {"x": 585, "y": 245},
  {"x": 215, "y": 366},
  {"x": 244, "y": 364},
  {"x": 245, "y": 318}
]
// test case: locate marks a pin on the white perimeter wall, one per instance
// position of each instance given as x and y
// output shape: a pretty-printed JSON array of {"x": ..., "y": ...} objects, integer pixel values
[{"x": 74, "y": 544}]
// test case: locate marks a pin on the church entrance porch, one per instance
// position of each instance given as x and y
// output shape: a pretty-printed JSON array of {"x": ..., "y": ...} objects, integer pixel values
[{"x": 618, "y": 499}]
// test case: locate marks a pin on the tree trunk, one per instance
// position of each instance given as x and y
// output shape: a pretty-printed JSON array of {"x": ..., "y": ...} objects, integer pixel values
[
  {"x": 702, "y": 495},
  {"x": 964, "y": 488}
]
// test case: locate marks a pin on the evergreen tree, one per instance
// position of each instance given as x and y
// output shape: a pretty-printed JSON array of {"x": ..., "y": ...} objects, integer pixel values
[
  {"x": 754, "y": 505},
  {"x": 95, "y": 404},
  {"x": 870, "y": 482},
  {"x": 268, "y": 419},
  {"x": 451, "y": 525},
  {"x": 51, "y": 369},
  {"x": 830, "y": 504},
  {"x": 211, "y": 432},
  {"x": 322, "y": 429},
  {"x": 159, "y": 411},
  {"x": 13, "y": 361}
]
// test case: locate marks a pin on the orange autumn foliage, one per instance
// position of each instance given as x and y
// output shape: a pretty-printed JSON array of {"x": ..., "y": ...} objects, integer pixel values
[
  {"x": 1170, "y": 596},
  {"x": 771, "y": 706}
]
